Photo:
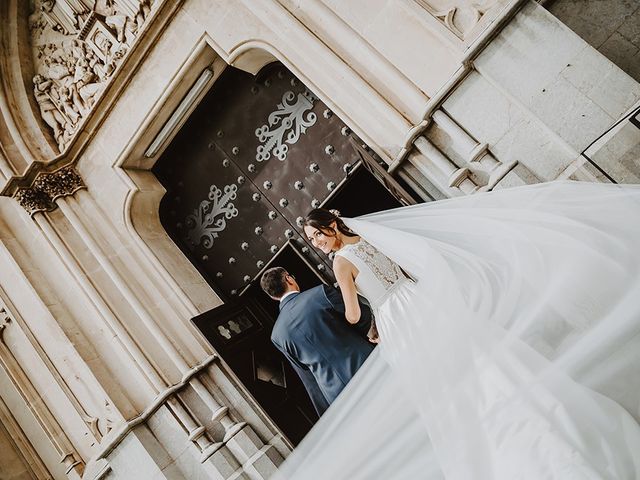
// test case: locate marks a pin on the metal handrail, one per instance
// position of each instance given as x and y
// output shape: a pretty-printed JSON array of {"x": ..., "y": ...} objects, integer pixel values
[{"x": 631, "y": 116}]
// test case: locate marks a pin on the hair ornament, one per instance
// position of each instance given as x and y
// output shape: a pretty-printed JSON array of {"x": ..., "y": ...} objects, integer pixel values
[{"x": 335, "y": 212}]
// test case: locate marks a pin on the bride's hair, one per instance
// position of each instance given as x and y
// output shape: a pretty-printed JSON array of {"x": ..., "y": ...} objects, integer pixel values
[{"x": 321, "y": 218}]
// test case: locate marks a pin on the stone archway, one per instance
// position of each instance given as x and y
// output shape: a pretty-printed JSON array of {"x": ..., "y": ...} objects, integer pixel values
[
  {"x": 193, "y": 294},
  {"x": 254, "y": 157}
]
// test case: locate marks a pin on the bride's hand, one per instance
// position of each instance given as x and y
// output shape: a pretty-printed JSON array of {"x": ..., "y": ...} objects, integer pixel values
[{"x": 372, "y": 334}]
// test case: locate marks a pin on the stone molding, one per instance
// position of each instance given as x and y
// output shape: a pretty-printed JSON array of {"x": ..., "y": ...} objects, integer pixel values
[
  {"x": 461, "y": 17},
  {"x": 476, "y": 156},
  {"x": 68, "y": 455},
  {"x": 41, "y": 196},
  {"x": 23, "y": 446},
  {"x": 161, "y": 399},
  {"x": 97, "y": 415}
]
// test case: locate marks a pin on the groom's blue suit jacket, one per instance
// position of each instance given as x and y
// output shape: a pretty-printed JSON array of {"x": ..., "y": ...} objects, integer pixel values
[{"x": 324, "y": 349}]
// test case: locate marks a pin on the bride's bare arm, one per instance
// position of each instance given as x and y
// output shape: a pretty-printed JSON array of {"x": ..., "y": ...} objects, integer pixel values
[{"x": 345, "y": 273}]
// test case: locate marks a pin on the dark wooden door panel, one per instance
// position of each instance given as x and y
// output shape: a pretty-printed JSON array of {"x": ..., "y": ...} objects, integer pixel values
[
  {"x": 279, "y": 149},
  {"x": 240, "y": 331}
]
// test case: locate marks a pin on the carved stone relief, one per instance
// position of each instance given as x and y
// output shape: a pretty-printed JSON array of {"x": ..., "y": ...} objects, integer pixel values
[
  {"x": 459, "y": 16},
  {"x": 77, "y": 45},
  {"x": 47, "y": 187}
]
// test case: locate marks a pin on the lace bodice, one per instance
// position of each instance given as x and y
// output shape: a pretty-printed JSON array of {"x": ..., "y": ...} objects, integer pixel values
[{"x": 377, "y": 273}]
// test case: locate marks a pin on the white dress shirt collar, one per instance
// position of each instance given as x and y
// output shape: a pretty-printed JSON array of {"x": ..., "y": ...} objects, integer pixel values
[{"x": 288, "y": 293}]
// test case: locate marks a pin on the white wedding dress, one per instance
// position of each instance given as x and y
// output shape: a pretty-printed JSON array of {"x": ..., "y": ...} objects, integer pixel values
[{"x": 512, "y": 352}]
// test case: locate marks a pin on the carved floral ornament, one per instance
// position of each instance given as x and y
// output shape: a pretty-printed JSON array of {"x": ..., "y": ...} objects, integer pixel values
[
  {"x": 47, "y": 187},
  {"x": 459, "y": 16},
  {"x": 77, "y": 45}
]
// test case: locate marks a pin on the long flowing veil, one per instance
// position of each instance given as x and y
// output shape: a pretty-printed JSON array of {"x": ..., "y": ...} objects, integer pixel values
[{"x": 515, "y": 355}]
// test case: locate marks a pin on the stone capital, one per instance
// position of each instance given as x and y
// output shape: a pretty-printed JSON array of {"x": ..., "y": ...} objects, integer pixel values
[{"x": 47, "y": 188}]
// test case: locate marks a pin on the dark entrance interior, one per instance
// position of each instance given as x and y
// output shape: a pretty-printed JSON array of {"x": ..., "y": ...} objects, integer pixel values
[{"x": 256, "y": 155}]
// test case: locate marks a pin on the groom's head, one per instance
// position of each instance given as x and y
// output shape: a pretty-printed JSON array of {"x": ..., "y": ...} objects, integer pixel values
[{"x": 277, "y": 281}]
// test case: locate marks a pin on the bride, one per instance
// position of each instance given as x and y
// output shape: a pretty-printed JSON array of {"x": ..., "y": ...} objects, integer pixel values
[{"x": 509, "y": 327}]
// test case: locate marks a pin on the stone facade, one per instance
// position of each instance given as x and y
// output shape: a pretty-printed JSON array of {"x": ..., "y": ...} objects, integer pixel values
[{"x": 103, "y": 374}]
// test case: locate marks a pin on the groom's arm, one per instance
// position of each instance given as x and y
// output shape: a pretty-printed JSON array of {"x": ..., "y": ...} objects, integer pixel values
[{"x": 314, "y": 391}]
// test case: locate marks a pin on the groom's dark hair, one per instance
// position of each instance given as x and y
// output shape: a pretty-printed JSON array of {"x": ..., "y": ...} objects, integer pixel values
[{"x": 273, "y": 282}]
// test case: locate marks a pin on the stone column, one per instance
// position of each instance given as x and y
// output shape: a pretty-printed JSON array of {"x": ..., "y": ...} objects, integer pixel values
[
  {"x": 449, "y": 175},
  {"x": 476, "y": 154},
  {"x": 68, "y": 215},
  {"x": 25, "y": 457},
  {"x": 69, "y": 457}
]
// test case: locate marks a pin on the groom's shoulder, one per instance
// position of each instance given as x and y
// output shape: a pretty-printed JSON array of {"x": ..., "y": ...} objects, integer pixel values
[
  {"x": 297, "y": 310},
  {"x": 306, "y": 300},
  {"x": 311, "y": 295},
  {"x": 317, "y": 290}
]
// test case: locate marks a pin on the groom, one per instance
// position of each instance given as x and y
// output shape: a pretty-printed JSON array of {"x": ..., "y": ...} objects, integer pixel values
[{"x": 312, "y": 332}]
